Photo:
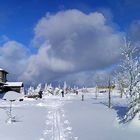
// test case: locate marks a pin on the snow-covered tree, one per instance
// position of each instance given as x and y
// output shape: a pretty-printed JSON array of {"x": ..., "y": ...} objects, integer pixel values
[
  {"x": 65, "y": 87},
  {"x": 38, "y": 88},
  {"x": 59, "y": 86},
  {"x": 97, "y": 83},
  {"x": 121, "y": 83},
  {"x": 31, "y": 91},
  {"x": 57, "y": 90},
  {"x": 129, "y": 78},
  {"x": 45, "y": 89},
  {"x": 50, "y": 89}
]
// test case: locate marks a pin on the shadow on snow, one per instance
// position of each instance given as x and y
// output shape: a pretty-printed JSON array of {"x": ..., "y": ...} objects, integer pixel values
[{"x": 120, "y": 111}]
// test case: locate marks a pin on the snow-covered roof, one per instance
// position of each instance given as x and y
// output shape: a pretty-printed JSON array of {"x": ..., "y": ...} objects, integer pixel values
[
  {"x": 3, "y": 70},
  {"x": 14, "y": 84}
]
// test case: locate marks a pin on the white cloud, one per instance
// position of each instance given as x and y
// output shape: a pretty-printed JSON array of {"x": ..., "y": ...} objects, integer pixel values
[
  {"x": 42, "y": 67},
  {"x": 72, "y": 41},
  {"x": 13, "y": 57},
  {"x": 68, "y": 42}
]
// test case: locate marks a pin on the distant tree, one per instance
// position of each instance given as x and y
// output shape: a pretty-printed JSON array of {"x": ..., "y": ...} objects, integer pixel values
[
  {"x": 65, "y": 87},
  {"x": 57, "y": 90},
  {"x": 38, "y": 88},
  {"x": 31, "y": 91},
  {"x": 121, "y": 83},
  {"x": 45, "y": 88},
  {"x": 50, "y": 89},
  {"x": 98, "y": 83}
]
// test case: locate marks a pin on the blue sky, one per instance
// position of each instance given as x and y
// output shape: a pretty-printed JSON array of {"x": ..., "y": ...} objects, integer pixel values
[
  {"x": 26, "y": 26},
  {"x": 19, "y": 17}
]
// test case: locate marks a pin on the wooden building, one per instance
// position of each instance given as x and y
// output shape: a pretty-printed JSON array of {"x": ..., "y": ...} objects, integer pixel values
[
  {"x": 3, "y": 76},
  {"x": 9, "y": 86},
  {"x": 13, "y": 86}
]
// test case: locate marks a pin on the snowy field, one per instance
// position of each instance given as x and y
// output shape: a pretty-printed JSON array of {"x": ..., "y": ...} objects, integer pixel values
[{"x": 68, "y": 118}]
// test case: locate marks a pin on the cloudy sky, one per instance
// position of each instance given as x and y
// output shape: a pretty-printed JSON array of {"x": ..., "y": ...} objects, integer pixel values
[{"x": 57, "y": 40}]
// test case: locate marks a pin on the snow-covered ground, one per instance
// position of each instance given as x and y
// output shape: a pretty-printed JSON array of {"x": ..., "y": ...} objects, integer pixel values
[{"x": 68, "y": 118}]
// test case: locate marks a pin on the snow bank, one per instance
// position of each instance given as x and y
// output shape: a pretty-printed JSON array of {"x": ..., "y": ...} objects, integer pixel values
[{"x": 12, "y": 95}]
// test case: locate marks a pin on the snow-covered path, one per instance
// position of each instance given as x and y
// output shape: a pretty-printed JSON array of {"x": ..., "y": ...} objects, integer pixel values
[
  {"x": 57, "y": 126},
  {"x": 68, "y": 118}
]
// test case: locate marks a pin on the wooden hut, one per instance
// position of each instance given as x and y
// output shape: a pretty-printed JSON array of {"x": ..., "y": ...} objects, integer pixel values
[{"x": 8, "y": 86}]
